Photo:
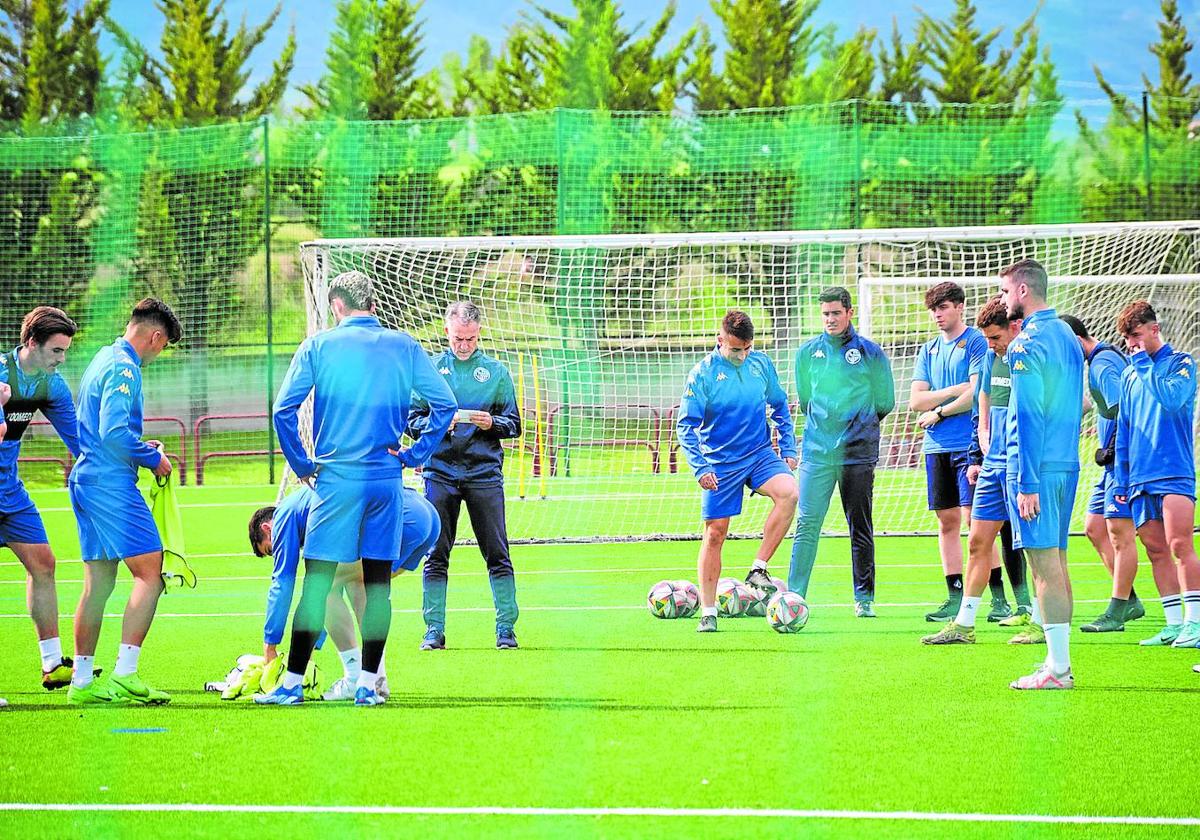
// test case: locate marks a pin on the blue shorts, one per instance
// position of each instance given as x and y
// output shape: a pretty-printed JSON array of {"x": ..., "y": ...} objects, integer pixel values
[
  {"x": 422, "y": 527},
  {"x": 352, "y": 519},
  {"x": 990, "y": 502},
  {"x": 1147, "y": 504},
  {"x": 1052, "y": 526},
  {"x": 946, "y": 484},
  {"x": 20, "y": 521},
  {"x": 114, "y": 522},
  {"x": 1104, "y": 499},
  {"x": 753, "y": 472}
]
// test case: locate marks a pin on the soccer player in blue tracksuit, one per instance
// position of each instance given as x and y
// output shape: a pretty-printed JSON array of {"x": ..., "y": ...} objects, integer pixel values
[
  {"x": 1109, "y": 523},
  {"x": 942, "y": 393},
  {"x": 112, "y": 516},
  {"x": 31, "y": 371},
  {"x": 1045, "y": 410},
  {"x": 361, "y": 377},
  {"x": 989, "y": 512},
  {"x": 279, "y": 531},
  {"x": 845, "y": 386},
  {"x": 723, "y": 431},
  {"x": 1155, "y": 468},
  {"x": 467, "y": 467}
]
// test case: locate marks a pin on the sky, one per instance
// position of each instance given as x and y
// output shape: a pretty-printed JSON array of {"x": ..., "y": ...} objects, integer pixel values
[{"x": 1112, "y": 34}]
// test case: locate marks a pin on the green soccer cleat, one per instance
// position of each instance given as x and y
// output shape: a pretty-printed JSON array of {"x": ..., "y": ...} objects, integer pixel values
[
  {"x": 948, "y": 611},
  {"x": 96, "y": 693},
  {"x": 1031, "y": 635},
  {"x": 1134, "y": 610},
  {"x": 1106, "y": 623},
  {"x": 1189, "y": 637},
  {"x": 864, "y": 609},
  {"x": 952, "y": 634},
  {"x": 132, "y": 688},
  {"x": 1000, "y": 610},
  {"x": 1164, "y": 637},
  {"x": 1023, "y": 617}
]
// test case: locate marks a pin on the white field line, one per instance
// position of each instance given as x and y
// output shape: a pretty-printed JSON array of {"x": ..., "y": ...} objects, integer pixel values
[{"x": 707, "y": 813}]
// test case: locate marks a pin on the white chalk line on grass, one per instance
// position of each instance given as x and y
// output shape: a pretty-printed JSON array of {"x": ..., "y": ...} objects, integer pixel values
[{"x": 705, "y": 813}]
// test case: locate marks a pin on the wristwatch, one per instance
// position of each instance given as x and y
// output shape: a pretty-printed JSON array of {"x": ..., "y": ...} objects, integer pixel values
[{"x": 938, "y": 412}]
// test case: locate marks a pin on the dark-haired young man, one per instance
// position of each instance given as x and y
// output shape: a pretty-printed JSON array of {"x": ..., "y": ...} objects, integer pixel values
[
  {"x": 113, "y": 520},
  {"x": 845, "y": 386},
  {"x": 31, "y": 372},
  {"x": 724, "y": 433},
  {"x": 942, "y": 394}
]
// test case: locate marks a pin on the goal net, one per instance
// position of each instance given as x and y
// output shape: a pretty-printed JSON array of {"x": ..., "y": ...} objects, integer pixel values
[{"x": 600, "y": 332}]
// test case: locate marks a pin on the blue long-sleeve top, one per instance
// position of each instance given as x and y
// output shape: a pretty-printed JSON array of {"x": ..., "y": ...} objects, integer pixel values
[
  {"x": 723, "y": 413},
  {"x": 1106, "y": 367},
  {"x": 288, "y": 528},
  {"x": 362, "y": 378},
  {"x": 1154, "y": 425},
  {"x": 59, "y": 409},
  {"x": 943, "y": 364},
  {"x": 1046, "y": 404},
  {"x": 995, "y": 380},
  {"x": 845, "y": 387},
  {"x": 109, "y": 413},
  {"x": 467, "y": 453}
]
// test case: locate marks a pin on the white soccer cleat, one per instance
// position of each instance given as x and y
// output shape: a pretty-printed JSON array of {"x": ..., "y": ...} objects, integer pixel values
[
  {"x": 1044, "y": 678},
  {"x": 343, "y": 689},
  {"x": 381, "y": 688}
]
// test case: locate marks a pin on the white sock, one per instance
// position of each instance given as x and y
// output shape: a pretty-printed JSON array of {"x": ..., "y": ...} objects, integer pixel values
[
  {"x": 351, "y": 663},
  {"x": 966, "y": 611},
  {"x": 706, "y": 611},
  {"x": 366, "y": 680},
  {"x": 381, "y": 672},
  {"x": 759, "y": 564},
  {"x": 127, "y": 660},
  {"x": 51, "y": 650},
  {"x": 84, "y": 666},
  {"x": 1036, "y": 611},
  {"x": 1173, "y": 608},
  {"x": 291, "y": 680},
  {"x": 1058, "y": 644},
  {"x": 1191, "y": 605}
]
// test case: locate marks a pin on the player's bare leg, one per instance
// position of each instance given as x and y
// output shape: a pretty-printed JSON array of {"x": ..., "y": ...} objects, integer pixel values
[
  {"x": 708, "y": 570},
  {"x": 1097, "y": 534},
  {"x": 41, "y": 595},
  {"x": 1053, "y": 584},
  {"x": 139, "y": 614},
  {"x": 1153, "y": 536},
  {"x": 1115, "y": 542},
  {"x": 1179, "y": 516},
  {"x": 99, "y": 578},
  {"x": 343, "y": 628},
  {"x": 982, "y": 557},
  {"x": 950, "y": 549},
  {"x": 781, "y": 490}
]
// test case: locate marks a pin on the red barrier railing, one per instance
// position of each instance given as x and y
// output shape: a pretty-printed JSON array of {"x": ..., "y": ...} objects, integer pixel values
[
  {"x": 180, "y": 457},
  {"x": 653, "y": 444},
  {"x": 198, "y": 434}
]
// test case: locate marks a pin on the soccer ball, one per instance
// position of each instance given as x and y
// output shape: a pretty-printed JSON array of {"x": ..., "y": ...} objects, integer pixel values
[
  {"x": 787, "y": 612},
  {"x": 733, "y": 597},
  {"x": 691, "y": 597},
  {"x": 664, "y": 601},
  {"x": 758, "y": 602}
]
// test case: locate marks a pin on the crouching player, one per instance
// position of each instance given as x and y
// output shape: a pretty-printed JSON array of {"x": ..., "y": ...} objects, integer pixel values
[{"x": 279, "y": 532}]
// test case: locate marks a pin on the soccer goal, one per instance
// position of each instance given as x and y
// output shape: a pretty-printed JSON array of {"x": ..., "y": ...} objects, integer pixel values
[{"x": 600, "y": 332}]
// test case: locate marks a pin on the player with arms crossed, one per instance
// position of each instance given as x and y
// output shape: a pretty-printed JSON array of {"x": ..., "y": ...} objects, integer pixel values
[
  {"x": 1045, "y": 410},
  {"x": 942, "y": 394},
  {"x": 114, "y": 522},
  {"x": 362, "y": 377},
  {"x": 723, "y": 431},
  {"x": 1155, "y": 470}
]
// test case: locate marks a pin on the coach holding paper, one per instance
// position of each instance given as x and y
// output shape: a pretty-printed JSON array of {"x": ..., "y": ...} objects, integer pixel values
[{"x": 467, "y": 466}]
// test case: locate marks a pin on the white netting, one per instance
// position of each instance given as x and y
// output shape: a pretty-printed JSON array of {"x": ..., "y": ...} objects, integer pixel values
[{"x": 600, "y": 332}]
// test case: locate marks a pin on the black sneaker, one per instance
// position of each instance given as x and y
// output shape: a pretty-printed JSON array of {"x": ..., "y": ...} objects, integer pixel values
[
  {"x": 505, "y": 638},
  {"x": 760, "y": 580},
  {"x": 947, "y": 611},
  {"x": 708, "y": 624},
  {"x": 434, "y": 639}
]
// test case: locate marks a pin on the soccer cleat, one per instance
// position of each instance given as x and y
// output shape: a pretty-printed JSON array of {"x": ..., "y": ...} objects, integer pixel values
[
  {"x": 434, "y": 639},
  {"x": 864, "y": 609},
  {"x": 760, "y": 580},
  {"x": 343, "y": 689},
  {"x": 948, "y": 611},
  {"x": 60, "y": 675},
  {"x": 1189, "y": 636},
  {"x": 131, "y": 687},
  {"x": 3, "y": 702},
  {"x": 1044, "y": 678},
  {"x": 708, "y": 624},
  {"x": 1106, "y": 623},
  {"x": 1031, "y": 635},
  {"x": 952, "y": 634},
  {"x": 281, "y": 696},
  {"x": 505, "y": 638},
  {"x": 1164, "y": 637},
  {"x": 1000, "y": 610},
  {"x": 381, "y": 688},
  {"x": 95, "y": 693},
  {"x": 1023, "y": 617},
  {"x": 1135, "y": 609},
  {"x": 367, "y": 697},
  {"x": 1196, "y": 668}
]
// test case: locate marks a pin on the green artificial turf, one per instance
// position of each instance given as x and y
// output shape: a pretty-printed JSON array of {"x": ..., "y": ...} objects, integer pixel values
[{"x": 603, "y": 706}]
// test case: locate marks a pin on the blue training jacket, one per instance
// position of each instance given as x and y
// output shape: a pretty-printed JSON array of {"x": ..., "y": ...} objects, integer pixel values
[
  {"x": 1154, "y": 426},
  {"x": 1106, "y": 367},
  {"x": 362, "y": 378},
  {"x": 845, "y": 388},
  {"x": 59, "y": 410},
  {"x": 1046, "y": 405},
  {"x": 288, "y": 528},
  {"x": 723, "y": 413},
  {"x": 467, "y": 453},
  {"x": 109, "y": 412}
]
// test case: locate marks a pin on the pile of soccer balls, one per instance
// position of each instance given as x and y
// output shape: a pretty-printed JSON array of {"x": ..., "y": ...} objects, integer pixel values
[{"x": 785, "y": 611}]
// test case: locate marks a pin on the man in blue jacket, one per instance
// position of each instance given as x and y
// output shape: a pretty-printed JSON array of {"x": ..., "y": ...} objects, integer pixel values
[
  {"x": 362, "y": 378},
  {"x": 467, "y": 467},
  {"x": 1155, "y": 468},
  {"x": 724, "y": 433},
  {"x": 845, "y": 386},
  {"x": 1045, "y": 409}
]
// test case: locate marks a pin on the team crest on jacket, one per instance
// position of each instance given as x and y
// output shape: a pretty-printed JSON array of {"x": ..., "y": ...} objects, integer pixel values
[
  {"x": 962, "y": 344},
  {"x": 482, "y": 374},
  {"x": 853, "y": 356}
]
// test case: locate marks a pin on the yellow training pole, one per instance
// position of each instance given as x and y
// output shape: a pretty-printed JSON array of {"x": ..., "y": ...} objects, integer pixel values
[
  {"x": 521, "y": 442},
  {"x": 539, "y": 433}
]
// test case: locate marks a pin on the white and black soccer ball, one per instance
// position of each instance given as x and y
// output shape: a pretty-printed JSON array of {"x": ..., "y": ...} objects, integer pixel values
[{"x": 787, "y": 612}]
